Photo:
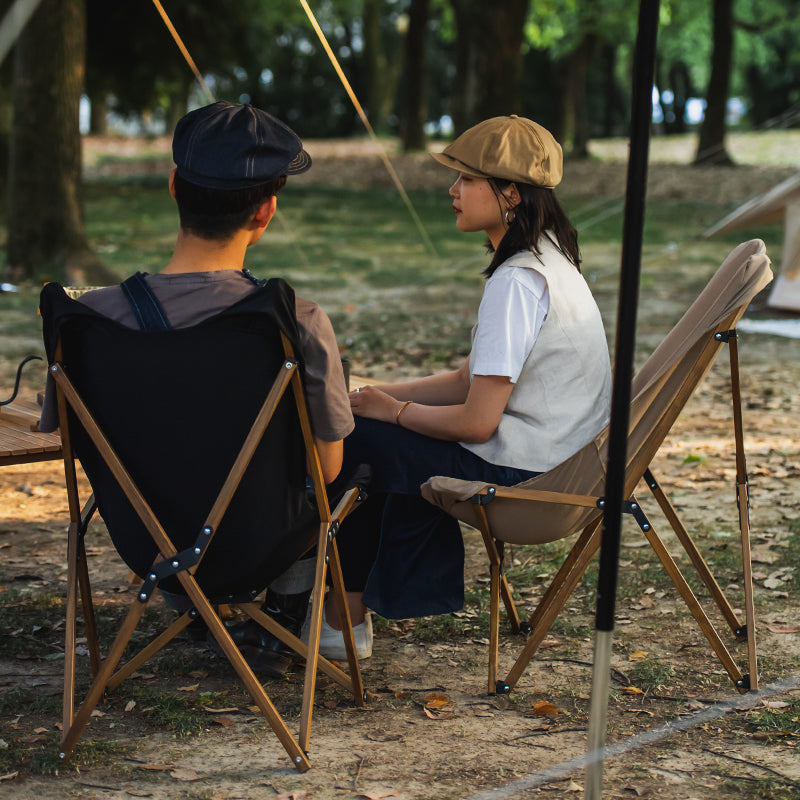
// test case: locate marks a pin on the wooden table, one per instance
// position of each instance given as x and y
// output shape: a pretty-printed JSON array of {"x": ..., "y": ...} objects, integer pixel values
[{"x": 21, "y": 441}]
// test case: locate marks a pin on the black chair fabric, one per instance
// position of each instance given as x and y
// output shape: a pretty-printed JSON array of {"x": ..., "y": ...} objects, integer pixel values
[{"x": 176, "y": 406}]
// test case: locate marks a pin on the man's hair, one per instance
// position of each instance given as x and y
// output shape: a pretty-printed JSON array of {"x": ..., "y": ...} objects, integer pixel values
[{"x": 219, "y": 213}]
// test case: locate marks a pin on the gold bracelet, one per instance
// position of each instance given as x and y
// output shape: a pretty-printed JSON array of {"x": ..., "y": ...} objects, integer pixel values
[{"x": 402, "y": 409}]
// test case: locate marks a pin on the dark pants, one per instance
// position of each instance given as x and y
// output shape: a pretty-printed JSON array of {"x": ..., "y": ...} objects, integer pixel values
[{"x": 406, "y": 555}]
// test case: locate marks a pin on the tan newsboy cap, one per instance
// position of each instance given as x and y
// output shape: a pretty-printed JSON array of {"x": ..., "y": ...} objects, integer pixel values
[{"x": 513, "y": 148}]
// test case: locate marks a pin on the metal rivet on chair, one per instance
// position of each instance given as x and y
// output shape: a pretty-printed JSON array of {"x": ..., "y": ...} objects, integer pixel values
[
  {"x": 207, "y": 530},
  {"x": 143, "y": 596},
  {"x": 198, "y": 550},
  {"x": 176, "y": 563}
]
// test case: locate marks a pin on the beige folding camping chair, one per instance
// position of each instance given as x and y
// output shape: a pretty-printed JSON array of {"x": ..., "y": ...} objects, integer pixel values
[
  {"x": 569, "y": 498},
  {"x": 197, "y": 444}
]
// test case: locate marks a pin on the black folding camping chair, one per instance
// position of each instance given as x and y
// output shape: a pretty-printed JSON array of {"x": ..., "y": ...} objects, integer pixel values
[{"x": 197, "y": 445}]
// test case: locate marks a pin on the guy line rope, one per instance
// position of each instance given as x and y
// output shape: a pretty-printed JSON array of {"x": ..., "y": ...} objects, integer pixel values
[{"x": 348, "y": 88}]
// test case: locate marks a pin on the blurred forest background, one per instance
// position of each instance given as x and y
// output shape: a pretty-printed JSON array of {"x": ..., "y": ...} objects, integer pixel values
[{"x": 423, "y": 70}]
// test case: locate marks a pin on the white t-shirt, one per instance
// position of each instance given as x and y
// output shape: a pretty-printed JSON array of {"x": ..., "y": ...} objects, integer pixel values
[{"x": 514, "y": 305}]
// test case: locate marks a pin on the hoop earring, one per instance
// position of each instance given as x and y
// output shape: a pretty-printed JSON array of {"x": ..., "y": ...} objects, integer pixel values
[{"x": 509, "y": 216}]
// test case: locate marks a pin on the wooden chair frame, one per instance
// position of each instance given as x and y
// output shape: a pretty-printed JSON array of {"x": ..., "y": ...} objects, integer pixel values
[
  {"x": 183, "y": 565},
  {"x": 584, "y": 549}
]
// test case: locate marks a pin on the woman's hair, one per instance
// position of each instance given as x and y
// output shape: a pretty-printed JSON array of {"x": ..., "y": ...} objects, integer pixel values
[
  {"x": 219, "y": 213},
  {"x": 537, "y": 214}
]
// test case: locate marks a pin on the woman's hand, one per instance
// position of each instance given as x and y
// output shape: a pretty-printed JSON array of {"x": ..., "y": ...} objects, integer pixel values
[{"x": 371, "y": 402}]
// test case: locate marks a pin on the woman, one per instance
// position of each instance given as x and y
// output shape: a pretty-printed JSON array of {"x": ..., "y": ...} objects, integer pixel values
[{"x": 535, "y": 388}]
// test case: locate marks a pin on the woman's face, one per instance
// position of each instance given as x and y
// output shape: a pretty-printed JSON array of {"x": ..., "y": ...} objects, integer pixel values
[{"x": 477, "y": 207}]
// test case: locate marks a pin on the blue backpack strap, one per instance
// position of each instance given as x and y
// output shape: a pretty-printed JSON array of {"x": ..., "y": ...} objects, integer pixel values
[{"x": 146, "y": 308}]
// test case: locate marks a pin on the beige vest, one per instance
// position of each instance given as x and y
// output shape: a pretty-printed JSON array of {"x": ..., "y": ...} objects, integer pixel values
[{"x": 562, "y": 398}]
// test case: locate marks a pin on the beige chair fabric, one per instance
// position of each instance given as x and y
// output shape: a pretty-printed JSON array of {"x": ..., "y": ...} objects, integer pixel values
[{"x": 659, "y": 392}]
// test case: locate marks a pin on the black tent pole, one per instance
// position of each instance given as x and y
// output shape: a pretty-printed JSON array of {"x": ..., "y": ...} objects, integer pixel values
[{"x": 632, "y": 234}]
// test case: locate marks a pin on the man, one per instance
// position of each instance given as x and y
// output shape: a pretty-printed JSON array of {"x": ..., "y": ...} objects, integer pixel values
[{"x": 231, "y": 162}]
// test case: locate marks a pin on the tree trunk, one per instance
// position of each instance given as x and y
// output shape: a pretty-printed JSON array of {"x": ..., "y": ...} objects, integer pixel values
[
  {"x": 414, "y": 105},
  {"x": 577, "y": 110},
  {"x": 47, "y": 238},
  {"x": 488, "y": 59},
  {"x": 711, "y": 146},
  {"x": 98, "y": 115},
  {"x": 680, "y": 82},
  {"x": 380, "y": 75}
]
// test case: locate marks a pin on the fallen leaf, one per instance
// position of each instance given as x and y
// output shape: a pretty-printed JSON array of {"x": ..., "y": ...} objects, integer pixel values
[
  {"x": 775, "y": 704},
  {"x": 435, "y": 700},
  {"x": 437, "y": 713},
  {"x": 157, "y": 767},
  {"x": 547, "y": 643},
  {"x": 300, "y": 794},
  {"x": 9, "y": 776},
  {"x": 184, "y": 774},
  {"x": 784, "y": 628},
  {"x": 632, "y": 690},
  {"x": 544, "y": 708},
  {"x": 639, "y": 655},
  {"x": 223, "y": 710},
  {"x": 226, "y": 722},
  {"x": 574, "y": 787},
  {"x": 379, "y": 794},
  {"x": 130, "y": 705},
  {"x": 193, "y": 688}
]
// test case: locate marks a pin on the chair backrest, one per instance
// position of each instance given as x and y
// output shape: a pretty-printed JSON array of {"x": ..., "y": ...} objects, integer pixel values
[
  {"x": 176, "y": 407},
  {"x": 658, "y": 394}
]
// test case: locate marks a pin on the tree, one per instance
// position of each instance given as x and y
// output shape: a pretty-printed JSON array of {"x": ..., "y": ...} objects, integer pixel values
[
  {"x": 489, "y": 59},
  {"x": 413, "y": 105},
  {"x": 46, "y": 232},
  {"x": 711, "y": 144}
]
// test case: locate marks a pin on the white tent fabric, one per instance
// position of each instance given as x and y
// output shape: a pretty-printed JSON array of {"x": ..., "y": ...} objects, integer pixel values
[{"x": 782, "y": 202}]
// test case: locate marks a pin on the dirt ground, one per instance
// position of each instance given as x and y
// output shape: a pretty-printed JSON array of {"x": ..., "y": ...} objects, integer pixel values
[{"x": 403, "y": 744}]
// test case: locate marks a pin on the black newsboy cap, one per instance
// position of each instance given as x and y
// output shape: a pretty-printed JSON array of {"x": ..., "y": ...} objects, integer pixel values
[{"x": 233, "y": 146}]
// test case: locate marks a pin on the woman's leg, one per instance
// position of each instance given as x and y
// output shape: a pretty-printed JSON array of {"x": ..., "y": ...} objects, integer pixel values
[{"x": 409, "y": 554}]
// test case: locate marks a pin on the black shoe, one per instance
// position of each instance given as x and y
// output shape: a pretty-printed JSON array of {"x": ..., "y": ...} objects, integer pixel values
[
  {"x": 197, "y": 630},
  {"x": 265, "y": 653}
]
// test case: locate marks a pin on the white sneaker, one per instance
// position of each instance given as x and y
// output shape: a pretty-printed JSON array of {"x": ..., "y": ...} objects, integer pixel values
[{"x": 331, "y": 641}]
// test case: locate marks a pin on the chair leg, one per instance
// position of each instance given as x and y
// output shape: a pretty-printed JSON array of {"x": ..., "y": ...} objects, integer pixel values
[
  {"x": 315, "y": 626},
  {"x": 92, "y": 640},
  {"x": 697, "y": 611},
  {"x": 498, "y": 588},
  {"x": 73, "y": 731},
  {"x": 743, "y": 499},
  {"x": 556, "y": 597},
  {"x": 246, "y": 675},
  {"x": 70, "y": 636},
  {"x": 747, "y": 578},
  {"x": 694, "y": 554},
  {"x": 494, "y": 625}
]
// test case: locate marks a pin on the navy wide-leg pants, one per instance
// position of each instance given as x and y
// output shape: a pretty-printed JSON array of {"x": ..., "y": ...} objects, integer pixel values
[{"x": 406, "y": 555}]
